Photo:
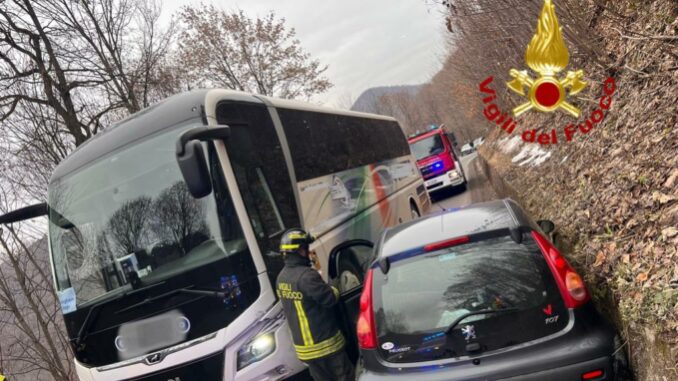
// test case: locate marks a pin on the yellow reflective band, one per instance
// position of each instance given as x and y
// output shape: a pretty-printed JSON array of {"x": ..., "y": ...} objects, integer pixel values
[
  {"x": 291, "y": 246},
  {"x": 336, "y": 292},
  {"x": 296, "y": 235},
  {"x": 303, "y": 324},
  {"x": 337, "y": 338},
  {"x": 322, "y": 349}
]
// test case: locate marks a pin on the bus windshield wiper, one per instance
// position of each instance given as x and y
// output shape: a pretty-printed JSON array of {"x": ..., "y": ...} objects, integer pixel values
[
  {"x": 215, "y": 293},
  {"x": 93, "y": 313},
  {"x": 473, "y": 313}
]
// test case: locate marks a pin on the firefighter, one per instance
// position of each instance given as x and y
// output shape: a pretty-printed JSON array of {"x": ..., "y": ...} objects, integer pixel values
[{"x": 308, "y": 306}]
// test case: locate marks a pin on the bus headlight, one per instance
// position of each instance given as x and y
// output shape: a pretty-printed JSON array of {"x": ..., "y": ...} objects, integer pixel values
[{"x": 256, "y": 350}]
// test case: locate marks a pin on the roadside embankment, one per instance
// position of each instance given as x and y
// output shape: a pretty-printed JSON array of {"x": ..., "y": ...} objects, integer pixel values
[
  {"x": 613, "y": 199},
  {"x": 612, "y": 190}
]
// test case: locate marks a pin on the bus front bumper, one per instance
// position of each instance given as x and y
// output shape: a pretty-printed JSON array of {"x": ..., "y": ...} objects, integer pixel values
[{"x": 210, "y": 361}]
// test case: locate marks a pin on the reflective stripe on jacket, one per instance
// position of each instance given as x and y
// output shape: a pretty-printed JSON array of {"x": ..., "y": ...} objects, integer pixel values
[{"x": 308, "y": 305}]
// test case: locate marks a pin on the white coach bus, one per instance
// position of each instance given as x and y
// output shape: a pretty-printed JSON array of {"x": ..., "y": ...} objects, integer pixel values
[{"x": 164, "y": 230}]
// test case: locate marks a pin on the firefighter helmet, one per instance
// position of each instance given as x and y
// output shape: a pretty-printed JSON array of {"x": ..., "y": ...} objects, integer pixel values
[{"x": 295, "y": 239}]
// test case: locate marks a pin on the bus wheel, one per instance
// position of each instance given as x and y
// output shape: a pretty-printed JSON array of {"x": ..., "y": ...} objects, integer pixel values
[{"x": 414, "y": 211}]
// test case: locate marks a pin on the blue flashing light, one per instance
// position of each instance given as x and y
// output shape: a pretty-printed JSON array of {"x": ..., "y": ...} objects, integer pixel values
[
  {"x": 438, "y": 165},
  {"x": 406, "y": 254}
]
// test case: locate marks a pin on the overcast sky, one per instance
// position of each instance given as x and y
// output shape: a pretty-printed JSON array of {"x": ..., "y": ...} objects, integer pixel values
[{"x": 366, "y": 43}]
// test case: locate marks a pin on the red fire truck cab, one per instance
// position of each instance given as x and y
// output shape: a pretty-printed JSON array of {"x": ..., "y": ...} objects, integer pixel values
[{"x": 437, "y": 160}]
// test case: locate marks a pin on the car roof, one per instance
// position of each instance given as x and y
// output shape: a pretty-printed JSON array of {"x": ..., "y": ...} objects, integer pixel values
[{"x": 475, "y": 218}]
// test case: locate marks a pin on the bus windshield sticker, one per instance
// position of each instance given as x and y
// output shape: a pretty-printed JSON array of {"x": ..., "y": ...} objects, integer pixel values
[{"x": 67, "y": 300}]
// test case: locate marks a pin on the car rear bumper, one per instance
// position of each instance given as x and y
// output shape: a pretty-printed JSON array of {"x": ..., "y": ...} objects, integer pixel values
[
  {"x": 571, "y": 372},
  {"x": 585, "y": 346},
  {"x": 451, "y": 178},
  {"x": 564, "y": 373}
]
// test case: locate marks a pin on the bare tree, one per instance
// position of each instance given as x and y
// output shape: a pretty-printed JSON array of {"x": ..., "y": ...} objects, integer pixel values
[
  {"x": 256, "y": 55},
  {"x": 34, "y": 346},
  {"x": 129, "y": 223},
  {"x": 178, "y": 216},
  {"x": 67, "y": 68},
  {"x": 85, "y": 61}
]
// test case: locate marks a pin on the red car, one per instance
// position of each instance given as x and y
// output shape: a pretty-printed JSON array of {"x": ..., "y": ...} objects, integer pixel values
[{"x": 437, "y": 160}]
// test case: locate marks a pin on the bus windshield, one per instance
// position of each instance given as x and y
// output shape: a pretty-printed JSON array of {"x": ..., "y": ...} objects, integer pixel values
[
  {"x": 426, "y": 147},
  {"x": 128, "y": 220}
]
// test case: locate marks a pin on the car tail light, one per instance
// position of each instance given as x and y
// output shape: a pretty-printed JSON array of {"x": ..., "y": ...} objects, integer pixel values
[
  {"x": 592, "y": 375},
  {"x": 446, "y": 243},
  {"x": 366, "y": 330},
  {"x": 571, "y": 285}
]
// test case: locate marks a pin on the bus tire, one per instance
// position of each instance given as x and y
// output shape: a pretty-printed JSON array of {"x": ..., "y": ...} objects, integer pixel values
[{"x": 414, "y": 211}]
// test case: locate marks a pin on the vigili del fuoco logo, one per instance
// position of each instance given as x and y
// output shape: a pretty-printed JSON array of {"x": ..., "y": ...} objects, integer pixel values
[{"x": 546, "y": 55}]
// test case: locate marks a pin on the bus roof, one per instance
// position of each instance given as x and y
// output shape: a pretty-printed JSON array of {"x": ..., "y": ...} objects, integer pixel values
[
  {"x": 297, "y": 105},
  {"x": 178, "y": 109}
]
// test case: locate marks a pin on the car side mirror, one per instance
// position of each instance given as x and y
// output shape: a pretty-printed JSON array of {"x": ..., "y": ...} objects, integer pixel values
[
  {"x": 358, "y": 254},
  {"x": 547, "y": 226},
  {"x": 191, "y": 157}
]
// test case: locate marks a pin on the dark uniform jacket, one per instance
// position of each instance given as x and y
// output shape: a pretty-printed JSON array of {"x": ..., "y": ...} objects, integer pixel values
[{"x": 308, "y": 305}]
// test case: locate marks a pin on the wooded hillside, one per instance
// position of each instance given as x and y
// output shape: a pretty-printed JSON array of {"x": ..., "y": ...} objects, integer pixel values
[{"x": 613, "y": 191}]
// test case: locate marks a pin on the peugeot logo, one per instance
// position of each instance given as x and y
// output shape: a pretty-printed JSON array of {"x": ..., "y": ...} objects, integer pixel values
[{"x": 155, "y": 358}]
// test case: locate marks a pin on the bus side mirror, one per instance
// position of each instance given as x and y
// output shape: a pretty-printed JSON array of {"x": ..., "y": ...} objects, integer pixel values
[{"x": 191, "y": 157}]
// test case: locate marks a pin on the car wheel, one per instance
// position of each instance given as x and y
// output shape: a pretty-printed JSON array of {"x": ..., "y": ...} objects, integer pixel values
[{"x": 622, "y": 370}]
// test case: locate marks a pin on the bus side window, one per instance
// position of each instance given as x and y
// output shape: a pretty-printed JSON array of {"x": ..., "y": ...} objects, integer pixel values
[{"x": 267, "y": 222}]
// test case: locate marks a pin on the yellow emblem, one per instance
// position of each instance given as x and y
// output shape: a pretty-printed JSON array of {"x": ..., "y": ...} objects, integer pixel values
[{"x": 547, "y": 55}]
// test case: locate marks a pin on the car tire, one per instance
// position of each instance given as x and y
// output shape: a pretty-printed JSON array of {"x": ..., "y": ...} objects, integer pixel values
[{"x": 620, "y": 363}]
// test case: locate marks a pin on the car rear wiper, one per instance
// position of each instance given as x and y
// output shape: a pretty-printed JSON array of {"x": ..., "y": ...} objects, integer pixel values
[
  {"x": 468, "y": 314},
  {"x": 93, "y": 313}
]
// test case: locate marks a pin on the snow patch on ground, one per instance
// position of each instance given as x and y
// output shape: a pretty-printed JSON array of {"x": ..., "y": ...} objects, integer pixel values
[
  {"x": 509, "y": 145},
  {"x": 531, "y": 154}
]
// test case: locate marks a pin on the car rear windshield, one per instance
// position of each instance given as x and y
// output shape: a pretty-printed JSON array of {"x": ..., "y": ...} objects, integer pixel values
[{"x": 421, "y": 297}]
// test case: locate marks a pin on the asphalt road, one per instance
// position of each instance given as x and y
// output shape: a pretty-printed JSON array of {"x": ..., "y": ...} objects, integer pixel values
[{"x": 477, "y": 189}]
